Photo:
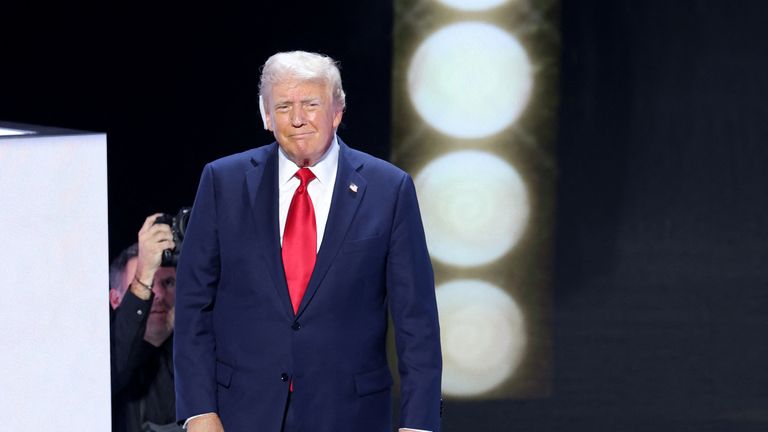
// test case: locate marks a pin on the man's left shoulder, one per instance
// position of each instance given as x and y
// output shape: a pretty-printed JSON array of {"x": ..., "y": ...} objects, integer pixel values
[{"x": 374, "y": 167}]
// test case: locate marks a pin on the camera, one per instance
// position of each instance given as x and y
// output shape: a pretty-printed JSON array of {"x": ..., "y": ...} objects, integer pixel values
[{"x": 178, "y": 226}]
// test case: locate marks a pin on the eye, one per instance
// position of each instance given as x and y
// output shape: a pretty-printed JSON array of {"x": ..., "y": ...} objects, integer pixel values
[
  {"x": 169, "y": 282},
  {"x": 282, "y": 108}
]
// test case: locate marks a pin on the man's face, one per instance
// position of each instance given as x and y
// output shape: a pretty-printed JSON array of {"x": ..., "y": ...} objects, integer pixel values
[
  {"x": 303, "y": 117},
  {"x": 161, "y": 314},
  {"x": 164, "y": 287}
]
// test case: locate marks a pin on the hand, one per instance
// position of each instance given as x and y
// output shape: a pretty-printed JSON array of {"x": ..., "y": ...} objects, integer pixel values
[
  {"x": 205, "y": 423},
  {"x": 153, "y": 240}
]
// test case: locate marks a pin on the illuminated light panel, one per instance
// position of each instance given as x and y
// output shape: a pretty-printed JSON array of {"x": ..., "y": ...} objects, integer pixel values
[
  {"x": 470, "y": 80},
  {"x": 474, "y": 207},
  {"x": 482, "y": 333},
  {"x": 472, "y": 5},
  {"x": 12, "y": 132}
]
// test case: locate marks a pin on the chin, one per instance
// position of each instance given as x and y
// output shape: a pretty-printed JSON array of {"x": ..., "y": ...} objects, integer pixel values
[{"x": 157, "y": 318}]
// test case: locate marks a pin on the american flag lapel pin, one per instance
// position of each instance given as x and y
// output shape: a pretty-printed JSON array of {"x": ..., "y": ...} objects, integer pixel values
[{"x": 353, "y": 187}]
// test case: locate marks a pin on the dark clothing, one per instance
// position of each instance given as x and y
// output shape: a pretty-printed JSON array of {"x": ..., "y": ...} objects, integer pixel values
[
  {"x": 239, "y": 343},
  {"x": 289, "y": 418},
  {"x": 142, "y": 374}
]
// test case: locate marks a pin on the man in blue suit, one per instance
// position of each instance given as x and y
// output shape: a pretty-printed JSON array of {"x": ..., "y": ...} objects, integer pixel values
[{"x": 294, "y": 255}]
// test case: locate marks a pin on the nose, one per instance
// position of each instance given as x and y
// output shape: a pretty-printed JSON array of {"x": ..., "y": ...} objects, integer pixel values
[
  {"x": 159, "y": 292},
  {"x": 297, "y": 118}
]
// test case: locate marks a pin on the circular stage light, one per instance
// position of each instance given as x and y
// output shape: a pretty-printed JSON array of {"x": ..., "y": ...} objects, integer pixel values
[
  {"x": 472, "y": 5},
  {"x": 483, "y": 336},
  {"x": 474, "y": 206},
  {"x": 470, "y": 80}
]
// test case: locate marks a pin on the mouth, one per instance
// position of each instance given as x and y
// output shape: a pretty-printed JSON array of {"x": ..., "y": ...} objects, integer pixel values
[{"x": 301, "y": 135}]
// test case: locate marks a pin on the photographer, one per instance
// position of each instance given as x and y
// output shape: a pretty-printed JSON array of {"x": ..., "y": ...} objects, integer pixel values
[{"x": 142, "y": 296}]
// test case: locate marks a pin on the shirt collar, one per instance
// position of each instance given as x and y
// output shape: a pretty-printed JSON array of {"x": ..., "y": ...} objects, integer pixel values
[{"x": 324, "y": 170}]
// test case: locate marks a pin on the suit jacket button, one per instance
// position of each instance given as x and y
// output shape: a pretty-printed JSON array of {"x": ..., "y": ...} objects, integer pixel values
[
  {"x": 296, "y": 325},
  {"x": 283, "y": 377}
]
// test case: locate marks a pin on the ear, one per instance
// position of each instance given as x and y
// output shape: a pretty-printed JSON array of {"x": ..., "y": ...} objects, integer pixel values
[
  {"x": 265, "y": 117},
  {"x": 337, "y": 118},
  {"x": 114, "y": 298}
]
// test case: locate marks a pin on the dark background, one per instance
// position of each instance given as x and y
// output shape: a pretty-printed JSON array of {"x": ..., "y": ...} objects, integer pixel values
[{"x": 661, "y": 284}]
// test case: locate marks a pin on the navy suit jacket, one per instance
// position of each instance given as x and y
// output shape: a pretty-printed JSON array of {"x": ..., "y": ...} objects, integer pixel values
[{"x": 238, "y": 344}]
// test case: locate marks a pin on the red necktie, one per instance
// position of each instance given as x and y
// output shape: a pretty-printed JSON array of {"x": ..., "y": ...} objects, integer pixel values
[{"x": 300, "y": 240}]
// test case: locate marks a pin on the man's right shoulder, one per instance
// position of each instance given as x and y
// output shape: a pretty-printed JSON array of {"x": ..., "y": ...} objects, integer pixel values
[{"x": 244, "y": 160}]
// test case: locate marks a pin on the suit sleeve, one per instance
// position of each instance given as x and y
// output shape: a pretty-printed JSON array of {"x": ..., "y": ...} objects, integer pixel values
[
  {"x": 411, "y": 292},
  {"x": 197, "y": 280},
  {"x": 129, "y": 350}
]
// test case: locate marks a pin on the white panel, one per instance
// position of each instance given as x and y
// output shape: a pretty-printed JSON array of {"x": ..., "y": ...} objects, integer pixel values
[{"x": 54, "y": 371}]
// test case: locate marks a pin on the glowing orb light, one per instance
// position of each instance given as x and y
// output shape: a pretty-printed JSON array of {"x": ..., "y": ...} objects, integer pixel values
[
  {"x": 470, "y": 80},
  {"x": 482, "y": 333},
  {"x": 474, "y": 206},
  {"x": 472, "y": 5}
]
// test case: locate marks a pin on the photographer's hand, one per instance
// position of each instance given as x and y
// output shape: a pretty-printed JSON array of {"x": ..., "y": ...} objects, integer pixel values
[{"x": 153, "y": 240}]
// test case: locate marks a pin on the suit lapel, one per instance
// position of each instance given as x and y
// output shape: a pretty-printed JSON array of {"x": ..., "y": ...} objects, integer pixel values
[
  {"x": 344, "y": 204},
  {"x": 262, "y": 188}
]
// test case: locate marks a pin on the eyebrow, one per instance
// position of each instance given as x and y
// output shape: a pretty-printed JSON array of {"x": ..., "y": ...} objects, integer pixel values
[{"x": 304, "y": 100}]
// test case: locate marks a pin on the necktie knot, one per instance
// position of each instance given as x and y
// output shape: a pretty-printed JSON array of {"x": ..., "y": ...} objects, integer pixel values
[{"x": 305, "y": 175}]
